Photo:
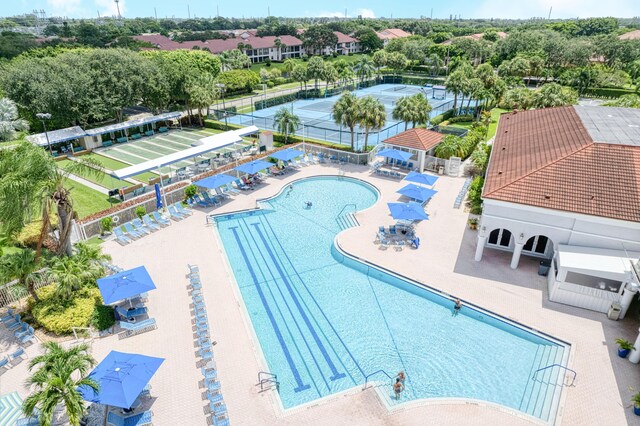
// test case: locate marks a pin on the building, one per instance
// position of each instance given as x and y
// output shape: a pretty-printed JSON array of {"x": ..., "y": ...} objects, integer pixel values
[
  {"x": 563, "y": 184},
  {"x": 344, "y": 46},
  {"x": 476, "y": 37},
  {"x": 257, "y": 48},
  {"x": 631, "y": 35},
  {"x": 418, "y": 141},
  {"x": 391, "y": 33}
]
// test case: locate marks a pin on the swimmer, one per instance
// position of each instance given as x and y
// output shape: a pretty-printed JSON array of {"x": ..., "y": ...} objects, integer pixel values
[
  {"x": 401, "y": 376},
  {"x": 457, "y": 308},
  {"x": 308, "y": 204},
  {"x": 290, "y": 190},
  {"x": 398, "y": 387}
]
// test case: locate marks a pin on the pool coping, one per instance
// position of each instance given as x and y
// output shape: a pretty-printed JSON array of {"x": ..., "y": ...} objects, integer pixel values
[{"x": 567, "y": 358}]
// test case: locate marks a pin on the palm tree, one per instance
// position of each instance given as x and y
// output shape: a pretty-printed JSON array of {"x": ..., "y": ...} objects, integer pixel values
[
  {"x": 70, "y": 273},
  {"x": 56, "y": 382},
  {"x": 91, "y": 255},
  {"x": 371, "y": 116},
  {"x": 364, "y": 67},
  {"x": 345, "y": 113},
  {"x": 449, "y": 147},
  {"x": 403, "y": 111},
  {"x": 456, "y": 83},
  {"x": 286, "y": 122},
  {"x": 202, "y": 92},
  {"x": 379, "y": 60},
  {"x": 299, "y": 74},
  {"x": 436, "y": 63},
  {"x": 330, "y": 75},
  {"x": 421, "y": 109},
  {"x": 288, "y": 65},
  {"x": 31, "y": 179},
  {"x": 21, "y": 266},
  {"x": 9, "y": 121}
]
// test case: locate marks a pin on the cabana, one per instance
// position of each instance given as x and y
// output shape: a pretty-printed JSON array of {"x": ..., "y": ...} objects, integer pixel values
[{"x": 418, "y": 142}]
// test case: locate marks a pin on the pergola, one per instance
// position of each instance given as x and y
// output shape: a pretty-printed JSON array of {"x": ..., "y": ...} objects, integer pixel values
[{"x": 129, "y": 124}]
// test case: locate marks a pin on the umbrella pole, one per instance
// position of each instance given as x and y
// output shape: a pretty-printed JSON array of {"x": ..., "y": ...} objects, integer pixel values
[{"x": 106, "y": 411}]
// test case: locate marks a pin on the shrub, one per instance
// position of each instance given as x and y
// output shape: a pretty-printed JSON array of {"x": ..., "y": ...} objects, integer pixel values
[
  {"x": 465, "y": 118},
  {"x": 60, "y": 316},
  {"x": 106, "y": 224},
  {"x": 279, "y": 80},
  {"x": 270, "y": 84},
  {"x": 190, "y": 191},
  {"x": 103, "y": 317},
  {"x": 475, "y": 195},
  {"x": 140, "y": 211},
  {"x": 267, "y": 62}
]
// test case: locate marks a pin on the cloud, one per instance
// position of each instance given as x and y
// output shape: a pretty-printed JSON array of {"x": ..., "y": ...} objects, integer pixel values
[
  {"x": 109, "y": 7},
  {"x": 365, "y": 13},
  {"x": 64, "y": 7},
  {"x": 561, "y": 9}
]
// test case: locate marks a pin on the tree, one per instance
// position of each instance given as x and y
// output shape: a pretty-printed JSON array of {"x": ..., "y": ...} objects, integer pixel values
[
  {"x": 456, "y": 83},
  {"x": 369, "y": 40},
  {"x": 435, "y": 63},
  {"x": 21, "y": 266},
  {"x": 518, "y": 98},
  {"x": 379, "y": 60},
  {"x": 421, "y": 109},
  {"x": 402, "y": 111},
  {"x": 60, "y": 373},
  {"x": 451, "y": 146},
  {"x": 364, "y": 67},
  {"x": 318, "y": 37},
  {"x": 9, "y": 121},
  {"x": 286, "y": 122},
  {"x": 202, "y": 92},
  {"x": 552, "y": 95},
  {"x": 371, "y": 116},
  {"x": 315, "y": 69},
  {"x": 299, "y": 74},
  {"x": 234, "y": 59},
  {"x": 396, "y": 61},
  {"x": 330, "y": 75},
  {"x": 345, "y": 113},
  {"x": 288, "y": 65}
]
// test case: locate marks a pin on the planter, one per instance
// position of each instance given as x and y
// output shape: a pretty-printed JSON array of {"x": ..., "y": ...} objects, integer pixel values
[
  {"x": 622, "y": 353},
  {"x": 473, "y": 226},
  {"x": 636, "y": 410}
]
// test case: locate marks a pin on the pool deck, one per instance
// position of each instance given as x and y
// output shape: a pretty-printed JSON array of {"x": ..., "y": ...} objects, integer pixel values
[{"x": 444, "y": 261}]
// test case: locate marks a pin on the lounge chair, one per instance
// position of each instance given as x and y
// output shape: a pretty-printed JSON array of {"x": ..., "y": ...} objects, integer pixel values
[
  {"x": 214, "y": 201},
  {"x": 17, "y": 354},
  {"x": 131, "y": 314},
  {"x": 128, "y": 227},
  {"x": 28, "y": 330},
  {"x": 28, "y": 421},
  {"x": 16, "y": 324},
  {"x": 4, "y": 363},
  {"x": 28, "y": 337},
  {"x": 220, "y": 421},
  {"x": 23, "y": 329},
  {"x": 161, "y": 220},
  {"x": 231, "y": 189},
  {"x": 215, "y": 398},
  {"x": 9, "y": 316},
  {"x": 131, "y": 329},
  {"x": 142, "y": 419},
  {"x": 120, "y": 237},
  {"x": 198, "y": 202},
  {"x": 173, "y": 211},
  {"x": 143, "y": 226},
  {"x": 182, "y": 210},
  {"x": 146, "y": 219}
]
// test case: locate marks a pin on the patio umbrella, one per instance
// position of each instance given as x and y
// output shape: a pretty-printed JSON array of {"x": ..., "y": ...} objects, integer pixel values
[
  {"x": 215, "y": 181},
  {"x": 122, "y": 377},
  {"x": 125, "y": 284},
  {"x": 407, "y": 211},
  {"x": 287, "y": 154},
  {"x": 395, "y": 154},
  {"x": 253, "y": 167},
  {"x": 158, "y": 196},
  {"x": 422, "y": 178},
  {"x": 416, "y": 192}
]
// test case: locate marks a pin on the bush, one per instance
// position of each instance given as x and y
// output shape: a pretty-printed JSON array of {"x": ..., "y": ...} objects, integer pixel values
[
  {"x": 106, "y": 224},
  {"x": 103, "y": 317},
  {"x": 461, "y": 119},
  {"x": 475, "y": 195},
  {"x": 605, "y": 93},
  {"x": 442, "y": 117},
  {"x": 140, "y": 211},
  {"x": 270, "y": 84},
  {"x": 60, "y": 316},
  {"x": 190, "y": 191},
  {"x": 279, "y": 80}
]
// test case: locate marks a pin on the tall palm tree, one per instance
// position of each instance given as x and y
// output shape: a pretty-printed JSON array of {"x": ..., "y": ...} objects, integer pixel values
[
  {"x": 21, "y": 266},
  {"x": 364, "y": 67},
  {"x": 70, "y": 273},
  {"x": 91, "y": 254},
  {"x": 345, "y": 113},
  {"x": 421, "y": 109},
  {"x": 9, "y": 121},
  {"x": 330, "y": 75},
  {"x": 435, "y": 63},
  {"x": 286, "y": 122},
  {"x": 56, "y": 382},
  {"x": 371, "y": 116},
  {"x": 450, "y": 146},
  {"x": 456, "y": 83},
  {"x": 31, "y": 179},
  {"x": 403, "y": 111},
  {"x": 288, "y": 65}
]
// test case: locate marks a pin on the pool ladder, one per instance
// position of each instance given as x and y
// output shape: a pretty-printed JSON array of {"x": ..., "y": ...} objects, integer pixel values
[
  {"x": 568, "y": 370},
  {"x": 366, "y": 378},
  {"x": 266, "y": 378}
]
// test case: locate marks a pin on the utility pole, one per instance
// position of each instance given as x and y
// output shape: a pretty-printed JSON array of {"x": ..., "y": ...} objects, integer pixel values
[
  {"x": 155, "y": 12},
  {"x": 188, "y": 12},
  {"x": 550, "y": 9},
  {"x": 268, "y": 11},
  {"x": 431, "y": 16},
  {"x": 118, "y": 7},
  {"x": 217, "y": 11},
  {"x": 345, "y": 13}
]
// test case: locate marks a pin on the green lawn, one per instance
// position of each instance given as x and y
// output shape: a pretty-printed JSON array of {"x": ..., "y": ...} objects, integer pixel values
[
  {"x": 100, "y": 178},
  {"x": 86, "y": 200},
  {"x": 111, "y": 164},
  {"x": 94, "y": 241},
  {"x": 493, "y": 125}
]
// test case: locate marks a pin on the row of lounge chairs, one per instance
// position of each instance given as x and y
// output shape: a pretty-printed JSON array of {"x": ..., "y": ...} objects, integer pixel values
[
  {"x": 204, "y": 199},
  {"x": 204, "y": 346},
  {"x": 397, "y": 237},
  {"x": 138, "y": 228},
  {"x": 462, "y": 194},
  {"x": 389, "y": 173},
  {"x": 8, "y": 361},
  {"x": 22, "y": 331}
]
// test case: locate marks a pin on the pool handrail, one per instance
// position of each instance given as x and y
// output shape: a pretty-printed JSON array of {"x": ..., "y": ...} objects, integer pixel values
[
  {"x": 366, "y": 378},
  {"x": 560, "y": 366}
]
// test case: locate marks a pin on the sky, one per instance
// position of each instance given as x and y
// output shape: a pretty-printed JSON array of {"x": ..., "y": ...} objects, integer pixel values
[{"x": 368, "y": 8}]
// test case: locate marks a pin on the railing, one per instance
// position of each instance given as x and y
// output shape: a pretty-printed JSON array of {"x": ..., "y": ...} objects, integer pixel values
[
  {"x": 13, "y": 292},
  {"x": 345, "y": 206},
  {"x": 366, "y": 379},
  {"x": 559, "y": 366},
  {"x": 265, "y": 377}
]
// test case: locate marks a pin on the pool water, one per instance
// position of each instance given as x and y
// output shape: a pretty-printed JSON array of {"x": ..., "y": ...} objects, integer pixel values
[{"x": 327, "y": 322}]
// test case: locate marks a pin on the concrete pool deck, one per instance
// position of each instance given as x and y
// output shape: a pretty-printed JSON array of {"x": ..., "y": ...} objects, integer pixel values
[{"x": 444, "y": 261}]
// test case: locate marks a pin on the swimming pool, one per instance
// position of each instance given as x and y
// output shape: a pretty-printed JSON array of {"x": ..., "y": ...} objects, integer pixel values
[{"x": 326, "y": 321}]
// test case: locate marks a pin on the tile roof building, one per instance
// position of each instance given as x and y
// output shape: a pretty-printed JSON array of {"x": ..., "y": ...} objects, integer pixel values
[
  {"x": 391, "y": 33},
  {"x": 561, "y": 178},
  {"x": 420, "y": 142}
]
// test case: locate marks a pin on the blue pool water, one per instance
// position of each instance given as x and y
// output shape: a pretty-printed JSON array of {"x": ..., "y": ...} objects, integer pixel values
[{"x": 326, "y": 321}]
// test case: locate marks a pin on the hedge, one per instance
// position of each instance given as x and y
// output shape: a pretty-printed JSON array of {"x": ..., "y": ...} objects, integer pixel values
[
  {"x": 606, "y": 93},
  {"x": 442, "y": 117},
  {"x": 59, "y": 316},
  {"x": 465, "y": 118}
]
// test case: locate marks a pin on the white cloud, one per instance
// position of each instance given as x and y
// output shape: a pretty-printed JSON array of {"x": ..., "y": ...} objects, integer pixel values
[
  {"x": 64, "y": 7},
  {"x": 109, "y": 7},
  {"x": 561, "y": 9},
  {"x": 365, "y": 13},
  {"x": 326, "y": 14}
]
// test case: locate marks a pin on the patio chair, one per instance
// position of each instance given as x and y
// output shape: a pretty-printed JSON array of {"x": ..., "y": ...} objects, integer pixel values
[
  {"x": 240, "y": 185},
  {"x": 16, "y": 324},
  {"x": 161, "y": 220},
  {"x": 131, "y": 314},
  {"x": 198, "y": 202},
  {"x": 215, "y": 398},
  {"x": 218, "y": 409},
  {"x": 9, "y": 316},
  {"x": 173, "y": 211},
  {"x": 321, "y": 158},
  {"x": 205, "y": 355},
  {"x": 16, "y": 355},
  {"x": 141, "y": 419},
  {"x": 181, "y": 209},
  {"x": 133, "y": 232},
  {"x": 25, "y": 332},
  {"x": 131, "y": 329},
  {"x": 231, "y": 189},
  {"x": 24, "y": 327},
  {"x": 146, "y": 219},
  {"x": 214, "y": 201},
  {"x": 140, "y": 225},
  {"x": 220, "y": 421},
  {"x": 28, "y": 337}
]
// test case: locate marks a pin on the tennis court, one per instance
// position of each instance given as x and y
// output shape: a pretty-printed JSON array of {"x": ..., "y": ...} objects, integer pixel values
[
  {"x": 135, "y": 152},
  {"x": 319, "y": 124}
]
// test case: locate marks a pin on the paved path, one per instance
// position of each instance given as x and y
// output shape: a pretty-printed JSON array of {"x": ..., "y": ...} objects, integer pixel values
[{"x": 90, "y": 184}]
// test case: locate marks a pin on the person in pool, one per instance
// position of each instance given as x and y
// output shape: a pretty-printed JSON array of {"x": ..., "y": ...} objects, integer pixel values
[
  {"x": 398, "y": 387},
  {"x": 401, "y": 376},
  {"x": 457, "y": 308}
]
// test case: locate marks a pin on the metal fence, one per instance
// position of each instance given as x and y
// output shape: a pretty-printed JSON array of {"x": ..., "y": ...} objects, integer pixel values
[{"x": 12, "y": 292}]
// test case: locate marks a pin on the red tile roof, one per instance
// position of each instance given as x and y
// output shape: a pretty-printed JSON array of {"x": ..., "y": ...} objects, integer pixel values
[
  {"x": 546, "y": 158},
  {"x": 417, "y": 138},
  {"x": 216, "y": 45},
  {"x": 631, "y": 35},
  {"x": 391, "y": 33},
  {"x": 343, "y": 38}
]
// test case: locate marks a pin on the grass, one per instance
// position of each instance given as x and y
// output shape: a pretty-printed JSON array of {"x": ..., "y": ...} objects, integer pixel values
[
  {"x": 493, "y": 125},
  {"x": 94, "y": 241},
  {"x": 100, "y": 178},
  {"x": 86, "y": 200},
  {"x": 111, "y": 164}
]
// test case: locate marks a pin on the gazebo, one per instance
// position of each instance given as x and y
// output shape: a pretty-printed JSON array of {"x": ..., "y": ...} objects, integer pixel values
[{"x": 420, "y": 142}]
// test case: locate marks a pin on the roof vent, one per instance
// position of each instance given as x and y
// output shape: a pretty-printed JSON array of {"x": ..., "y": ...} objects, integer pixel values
[
  {"x": 506, "y": 131},
  {"x": 504, "y": 147},
  {"x": 547, "y": 197},
  {"x": 593, "y": 197},
  {"x": 499, "y": 172}
]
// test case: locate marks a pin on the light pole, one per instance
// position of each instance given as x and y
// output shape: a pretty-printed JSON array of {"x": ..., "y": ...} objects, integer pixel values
[
  {"x": 302, "y": 133},
  {"x": 42, "y": 116},
  {"x": 224, "y": 108}
]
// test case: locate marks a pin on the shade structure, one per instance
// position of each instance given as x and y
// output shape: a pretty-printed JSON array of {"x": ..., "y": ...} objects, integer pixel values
[
  {"x": 396, "y": 154},
  {"x": 421, "y": 178},
  {"x": 407, "y": 211},
  {"x": 253, "y": 167},
  {"x": 287, "y": 154},
  {"x": 121, "y": 376},
  {"x": 125, "y": 284},
  {"x": 215, "y": 181},
  {"x": 416, "y": 192}
]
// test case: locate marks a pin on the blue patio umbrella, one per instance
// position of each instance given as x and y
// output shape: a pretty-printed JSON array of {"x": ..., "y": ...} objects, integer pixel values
[
  {"x": 158, "y": 196},
  {"x": 121, "y": 376},
  {"x": 286, "y": 154},
  {"x": 395, "y": 154},
  {"x": 215, "y": 181},
  {"x": 125, "y": 284},
  {"x": 421, "y": 178},
  {"x": 253, "y": 167},
  {"x": 416, "y": 192},
  {"x": 407, "y": 211}
]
